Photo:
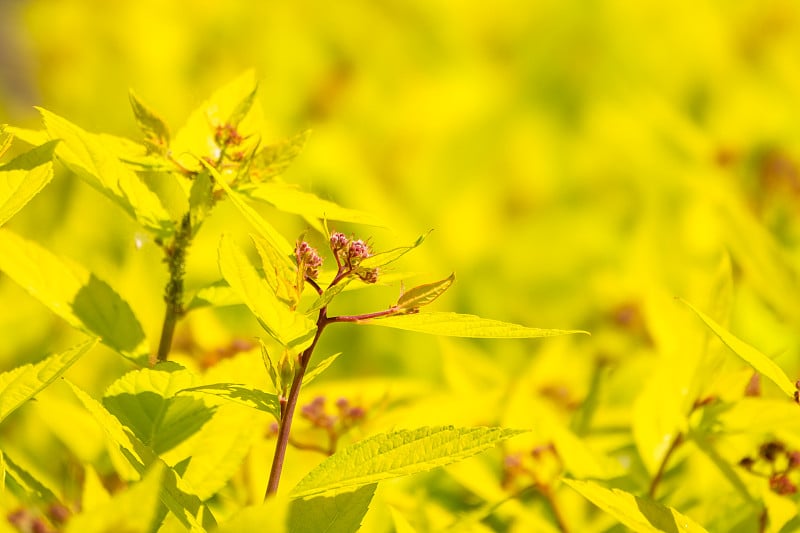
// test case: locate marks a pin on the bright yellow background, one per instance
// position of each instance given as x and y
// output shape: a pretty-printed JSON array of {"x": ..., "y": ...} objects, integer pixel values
[{"x": 581, "y": 163}]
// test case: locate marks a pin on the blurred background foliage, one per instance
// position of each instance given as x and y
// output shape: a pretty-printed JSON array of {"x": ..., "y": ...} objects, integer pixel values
[{"x": 581, "y": 163}]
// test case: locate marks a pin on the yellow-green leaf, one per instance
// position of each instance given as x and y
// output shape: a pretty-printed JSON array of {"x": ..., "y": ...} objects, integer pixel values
[
  {"x": 384, "y": 258},
  {"x": 74, "y": 294},
  {"x": 460, "y": 325},
  {"x": 343, "y": 512},
  {"x": 90, "y": 157},
  {"x": 23, "y": 177},
  {"x": 290, "y": 199},
  {"x": 133, "y": 510},
  {"x": 195, "y": 140},
  {"x": 156, "y": 132},
  {"x": 273, "y": 160},
  {"x": 290, "y": 328},
  {"x": 186, "y": 507},
  {"x": 640, "y": 514},
  {"x": 24, "y": 382},
  {"x": 400, "y": 453},
  {"x": 242, "y": 394},
  {"x": 263, "y": 227},
  {"x": 424, "y": 294},
  {"x": 146, "y": 401},
  {"x": 759, "y": 361}
]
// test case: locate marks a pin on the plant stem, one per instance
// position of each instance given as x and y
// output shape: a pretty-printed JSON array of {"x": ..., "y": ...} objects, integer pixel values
[
  {"x": 287, "y": 413},
  {"x": 357, "y": 318},
  {"x": 547, "y": 493},
  {"x": 663, "y": 466},
  {"x": 175, "y": 257}
]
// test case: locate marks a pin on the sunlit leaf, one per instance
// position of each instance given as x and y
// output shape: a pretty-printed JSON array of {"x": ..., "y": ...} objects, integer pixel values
[
  {"x": 268, "y": 516},
  {"x": 156, "y": 132},
  {"x": 328, "y": 295},
  {"x": 5, "y": 139},
  {"x": 23, "y": 177},
  {"x": 146, "y": 401},
  {"x": 243, "y": 107},
  {"x": 195, "y": 140},
  {"x": 290, "y": 328},
  {"x": 280, "y": 276},
  {"x": 201, "y": 199},
  {"x": 320, "y": 368},
  {"x": 459, "y": 325},
  {"x": 23, "y": 382},
  {"x": 264, "y": 228},
  {"x": 400, "y": 453},
  {"x": 90, "y": 157},
  {"x": 133, "y": 510},
  {"x": 219, "y": 449},
  {"x": 218, "y": 294},
  {"x": 640, "y": 514},
  {"x": 186, "y": 507},
  {"x": 343, "y": 512},
  {"x": 424, "y": 294},
  {"x": 74, "y": 294},
  {"x": 291, "y": 199},
  {"x": 242, "y": 394},
  {"x": 384, "y": 258},
  {"x": 25, "y": 485},
  {"x": 35, "y": 157},
  {"x": 760, "y": 362},
  {"x": 274, "y": 159}
]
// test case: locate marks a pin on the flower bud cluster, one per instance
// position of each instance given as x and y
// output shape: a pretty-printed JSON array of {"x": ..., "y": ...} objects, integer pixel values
[
  {"x": 350, "y": 253},
  {"x": 227, "y": 135},
  {"x": 776, "y": 462},
  {"x": 541, "y": 466},
  {"x": 308, "y": 260},
  {"x": 346, "y": 417}
]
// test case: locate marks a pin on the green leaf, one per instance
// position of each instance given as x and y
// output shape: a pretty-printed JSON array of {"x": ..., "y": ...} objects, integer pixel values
[
  {"x": 92, "y": 158},
  {"x": 74, "y": 294},
  {"x": 424, "y": 294},
  {"x": 201, "y": 199},
  {"x": 390, "y": 256},
  {"x": 320, "y": 368},
  {"x": 32, "y": 137},
  {"x": 243, "y": 107},
  {"x": 328, "y": 295},
  {"x": 23, "y": 177},
  {"x": 640, "y": 514},
  {"x": 242, "y": 394},
  {"x": 400, "y": 453},
  {"x": 33, "y": 158},
  {"x": 458, "y": 325},
  {"x": 263, "y": 227},
  {"x": 219, "y": 449},
  {"x": 24, "y": 382},
  {"x": 5, "y": 140},
  {"x": 133, "y": 510},
  {"x": 760, "y": 362},
  {"x": 218, "y": 294},
  {"x": 274, "y": 159},
  {"x": 146, "y": 401},
  {"x": 269, "y": 365},
  {"x": 343, "y": 512},
  {"x": 280, "y": 276},
  {"x": 269, "y": 516},
  {"x": 288, "y": 327},
  {"x": 156, "y": 132},
  {"x": 290, "y": 199},
  {"x": 186, "y": 507},
  {"x": 195, "y": 140},
  {"x": 25, "y": 485}
]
